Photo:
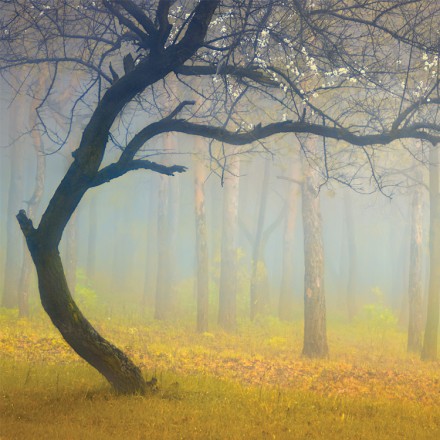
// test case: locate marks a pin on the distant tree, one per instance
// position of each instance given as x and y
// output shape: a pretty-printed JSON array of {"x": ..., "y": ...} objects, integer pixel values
[
  {"x": 281, "y": 53},
  {"x": 32, "y": 207},
  {"x": 352, "y": 257},
  {"x": 258, "y": 237},
  {"x": 165, "y": 233},
  {"x": 227, "y": 311},
  {"x": 258, "y": 296},
  {"x": 430, "y": 339},
  {"x": 201, "y": 238},
  {"x": 92, "y": 239},
  {"x": 315, "y": 325},
  {"x": 415, "y": 285},
  {"x": 286, "y": 301},
  {"x": 13, "y": 256}
]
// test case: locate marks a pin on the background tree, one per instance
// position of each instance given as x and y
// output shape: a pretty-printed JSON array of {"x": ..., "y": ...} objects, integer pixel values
[
  {"x": 227, "y": 311},
  {"x": 429, "y": 349},
  {"x": 415, "y": 290},
  {"x": 315, "y": 326},
  {"x": 286, "y": 301},
  {"x": 15, "y": 196},
  {"x": 202, "y": 282}
]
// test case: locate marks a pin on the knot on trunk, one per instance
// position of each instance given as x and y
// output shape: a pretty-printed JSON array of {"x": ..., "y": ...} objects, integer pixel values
[{"x": 25, "y": 223}]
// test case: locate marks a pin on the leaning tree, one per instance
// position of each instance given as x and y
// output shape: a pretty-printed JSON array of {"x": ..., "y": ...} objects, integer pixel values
[{"x": 348, "y": 71}]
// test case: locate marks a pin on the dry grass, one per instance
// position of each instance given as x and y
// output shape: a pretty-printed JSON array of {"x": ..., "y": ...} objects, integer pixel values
[
  {"x": 72, "y": 402},
  {"x": 218, "y": 386}
]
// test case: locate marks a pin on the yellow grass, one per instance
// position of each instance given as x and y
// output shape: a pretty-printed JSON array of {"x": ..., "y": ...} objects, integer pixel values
[{"x": 253, "y": 385}]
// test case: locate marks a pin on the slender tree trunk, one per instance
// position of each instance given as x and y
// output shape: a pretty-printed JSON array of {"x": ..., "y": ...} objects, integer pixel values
[
  {"x": 227, "y": 317},
  {"x": 201, "y": 241},
  {"x": 429, "y": 350},
  {"x": 258, "y": 303},
  {"x": 286, "y": 306},
  {"x": 13, "y": 258},
  {"x": 352, "y": 258},
  {"x": 315, "y": 331},
  {"x": 415, "y": 296}
]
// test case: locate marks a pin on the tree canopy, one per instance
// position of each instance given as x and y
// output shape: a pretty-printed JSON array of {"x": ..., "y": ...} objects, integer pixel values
[{"x": 364, "y": 72}]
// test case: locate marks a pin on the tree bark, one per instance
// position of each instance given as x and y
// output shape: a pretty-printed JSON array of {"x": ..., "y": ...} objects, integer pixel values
[
  {"x": 315, "y": 331},
  {"x": 286, "y": 306},
  {"x": 65, "y": 315},
  {"x": 415, "y": 295},
  {"x": 227, "y": 315},
  {"x": 201, "y": 240},
  {"x": 430, "y": 340}
]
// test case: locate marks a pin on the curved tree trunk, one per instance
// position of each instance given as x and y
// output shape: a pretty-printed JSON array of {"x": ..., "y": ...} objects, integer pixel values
[
  {"x": 43, "y": 243},
  {"x": 430, "y": 341},
  {"x": 65, "y": 315},
  {"x": 315, "y": 331},
  {"x": 56, "y": 299},
  {"x": 85, "y": 173}
]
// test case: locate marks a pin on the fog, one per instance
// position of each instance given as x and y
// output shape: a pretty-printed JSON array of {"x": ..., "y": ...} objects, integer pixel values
[{"x": 117, "y": 243}]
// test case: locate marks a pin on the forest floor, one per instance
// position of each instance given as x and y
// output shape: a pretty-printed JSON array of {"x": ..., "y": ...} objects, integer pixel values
[{"x": 250, "y": 385}]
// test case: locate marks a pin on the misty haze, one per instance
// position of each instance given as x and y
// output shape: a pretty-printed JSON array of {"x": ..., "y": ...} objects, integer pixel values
[{"x": 219, "y": 219}]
